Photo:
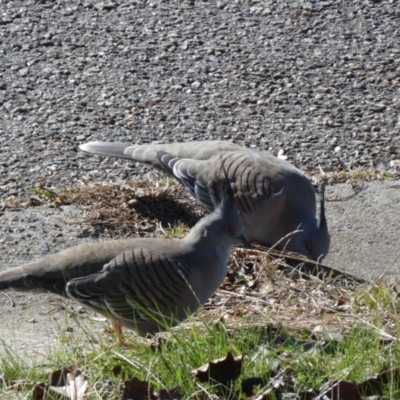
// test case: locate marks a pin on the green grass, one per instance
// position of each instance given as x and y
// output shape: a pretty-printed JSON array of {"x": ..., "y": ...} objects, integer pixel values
[
  {"x": 364, "y": 175},
  {"x": 306, "y": 362},
  {"x": 176, "y": 231}
]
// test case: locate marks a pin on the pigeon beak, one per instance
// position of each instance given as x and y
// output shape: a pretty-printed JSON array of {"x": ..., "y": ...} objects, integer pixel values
[{"x": 245, "y": 242}]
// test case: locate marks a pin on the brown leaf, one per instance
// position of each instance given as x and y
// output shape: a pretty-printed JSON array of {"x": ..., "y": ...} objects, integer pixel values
[
  {"x": 116, "y": 370},
  {"x": 250, "y": 385},
  {"x": 76, "y": 385},
  {"x": 340, "y": 390},
  {"x": 169, "y": 394},
  {"x": 135, "y": 389},
  {"x": 374, "y": 385},
  {"x": 341, "y": 300},
  {"x": 222, "y": 370},
  {"x": 39, "y": 391},
  {"x": 59, "y": 376}
]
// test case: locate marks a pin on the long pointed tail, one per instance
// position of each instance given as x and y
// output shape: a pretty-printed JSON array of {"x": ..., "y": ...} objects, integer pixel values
[{"x": 13, "y": 279}]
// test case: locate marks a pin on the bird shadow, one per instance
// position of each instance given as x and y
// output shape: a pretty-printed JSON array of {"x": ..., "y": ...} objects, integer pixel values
[
  {"x": 356, "y": 191},
  {"x": 141, "y": 216},
  {"x": 167, "y": 210}
]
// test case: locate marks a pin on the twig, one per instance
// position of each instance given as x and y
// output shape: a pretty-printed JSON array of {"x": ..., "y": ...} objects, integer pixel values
[{"x": 9, "y": 298}]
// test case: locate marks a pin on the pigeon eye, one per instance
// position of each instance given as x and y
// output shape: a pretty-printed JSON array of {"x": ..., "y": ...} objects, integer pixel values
[
  {"x": 308, "y": 245},
  {"x": 229, "y": 229}
]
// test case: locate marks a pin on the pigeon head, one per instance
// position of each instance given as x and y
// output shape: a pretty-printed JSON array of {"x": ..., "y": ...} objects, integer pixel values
[
  {"x": 311, "y": 237},
  {"x": 224, "y": 224}
]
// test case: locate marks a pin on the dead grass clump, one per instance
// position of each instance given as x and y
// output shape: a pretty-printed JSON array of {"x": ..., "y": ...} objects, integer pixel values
[
  {"x": 262, "y": 286},
  {"x": 262, "y": 289},
  {"x": 136, "y": 208},
  {"x": 356, "y": 177}
]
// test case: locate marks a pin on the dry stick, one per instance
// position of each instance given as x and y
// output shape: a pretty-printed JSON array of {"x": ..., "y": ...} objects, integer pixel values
[
  {"x": 9, "y": 298},
  {"x": 293, "y": 256},
  {"x": 233, "y": 294},
  {"x": 281, "y": 240}
]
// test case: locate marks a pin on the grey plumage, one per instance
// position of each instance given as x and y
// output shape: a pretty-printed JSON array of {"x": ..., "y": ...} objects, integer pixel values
[
  {"x": 137, "y": 281},
  {"x": 273, "y": 196}
]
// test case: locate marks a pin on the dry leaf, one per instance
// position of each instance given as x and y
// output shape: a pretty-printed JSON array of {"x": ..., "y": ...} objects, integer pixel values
[
  {"x": 340, "y": 390},
  {"x": 39, "y": 391},
  {"x": 168, "y": 394},
  {"x": 76, "y": 385},
  {"x": 249, "y": 386},
  {"x": 135, "y": 389},
  {"x": 373, "y": 385},
  {"x": 222, "y": 370},
  {"x": 59, "y": 376}
]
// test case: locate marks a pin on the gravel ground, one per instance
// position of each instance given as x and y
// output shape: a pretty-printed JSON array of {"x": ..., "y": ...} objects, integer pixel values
[{"x": 317, "y": 79}]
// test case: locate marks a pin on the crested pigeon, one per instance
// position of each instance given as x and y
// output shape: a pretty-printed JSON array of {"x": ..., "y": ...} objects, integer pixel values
[
  {"x": 139, "y": 282},
  {"x": 277, "y": 202}
]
